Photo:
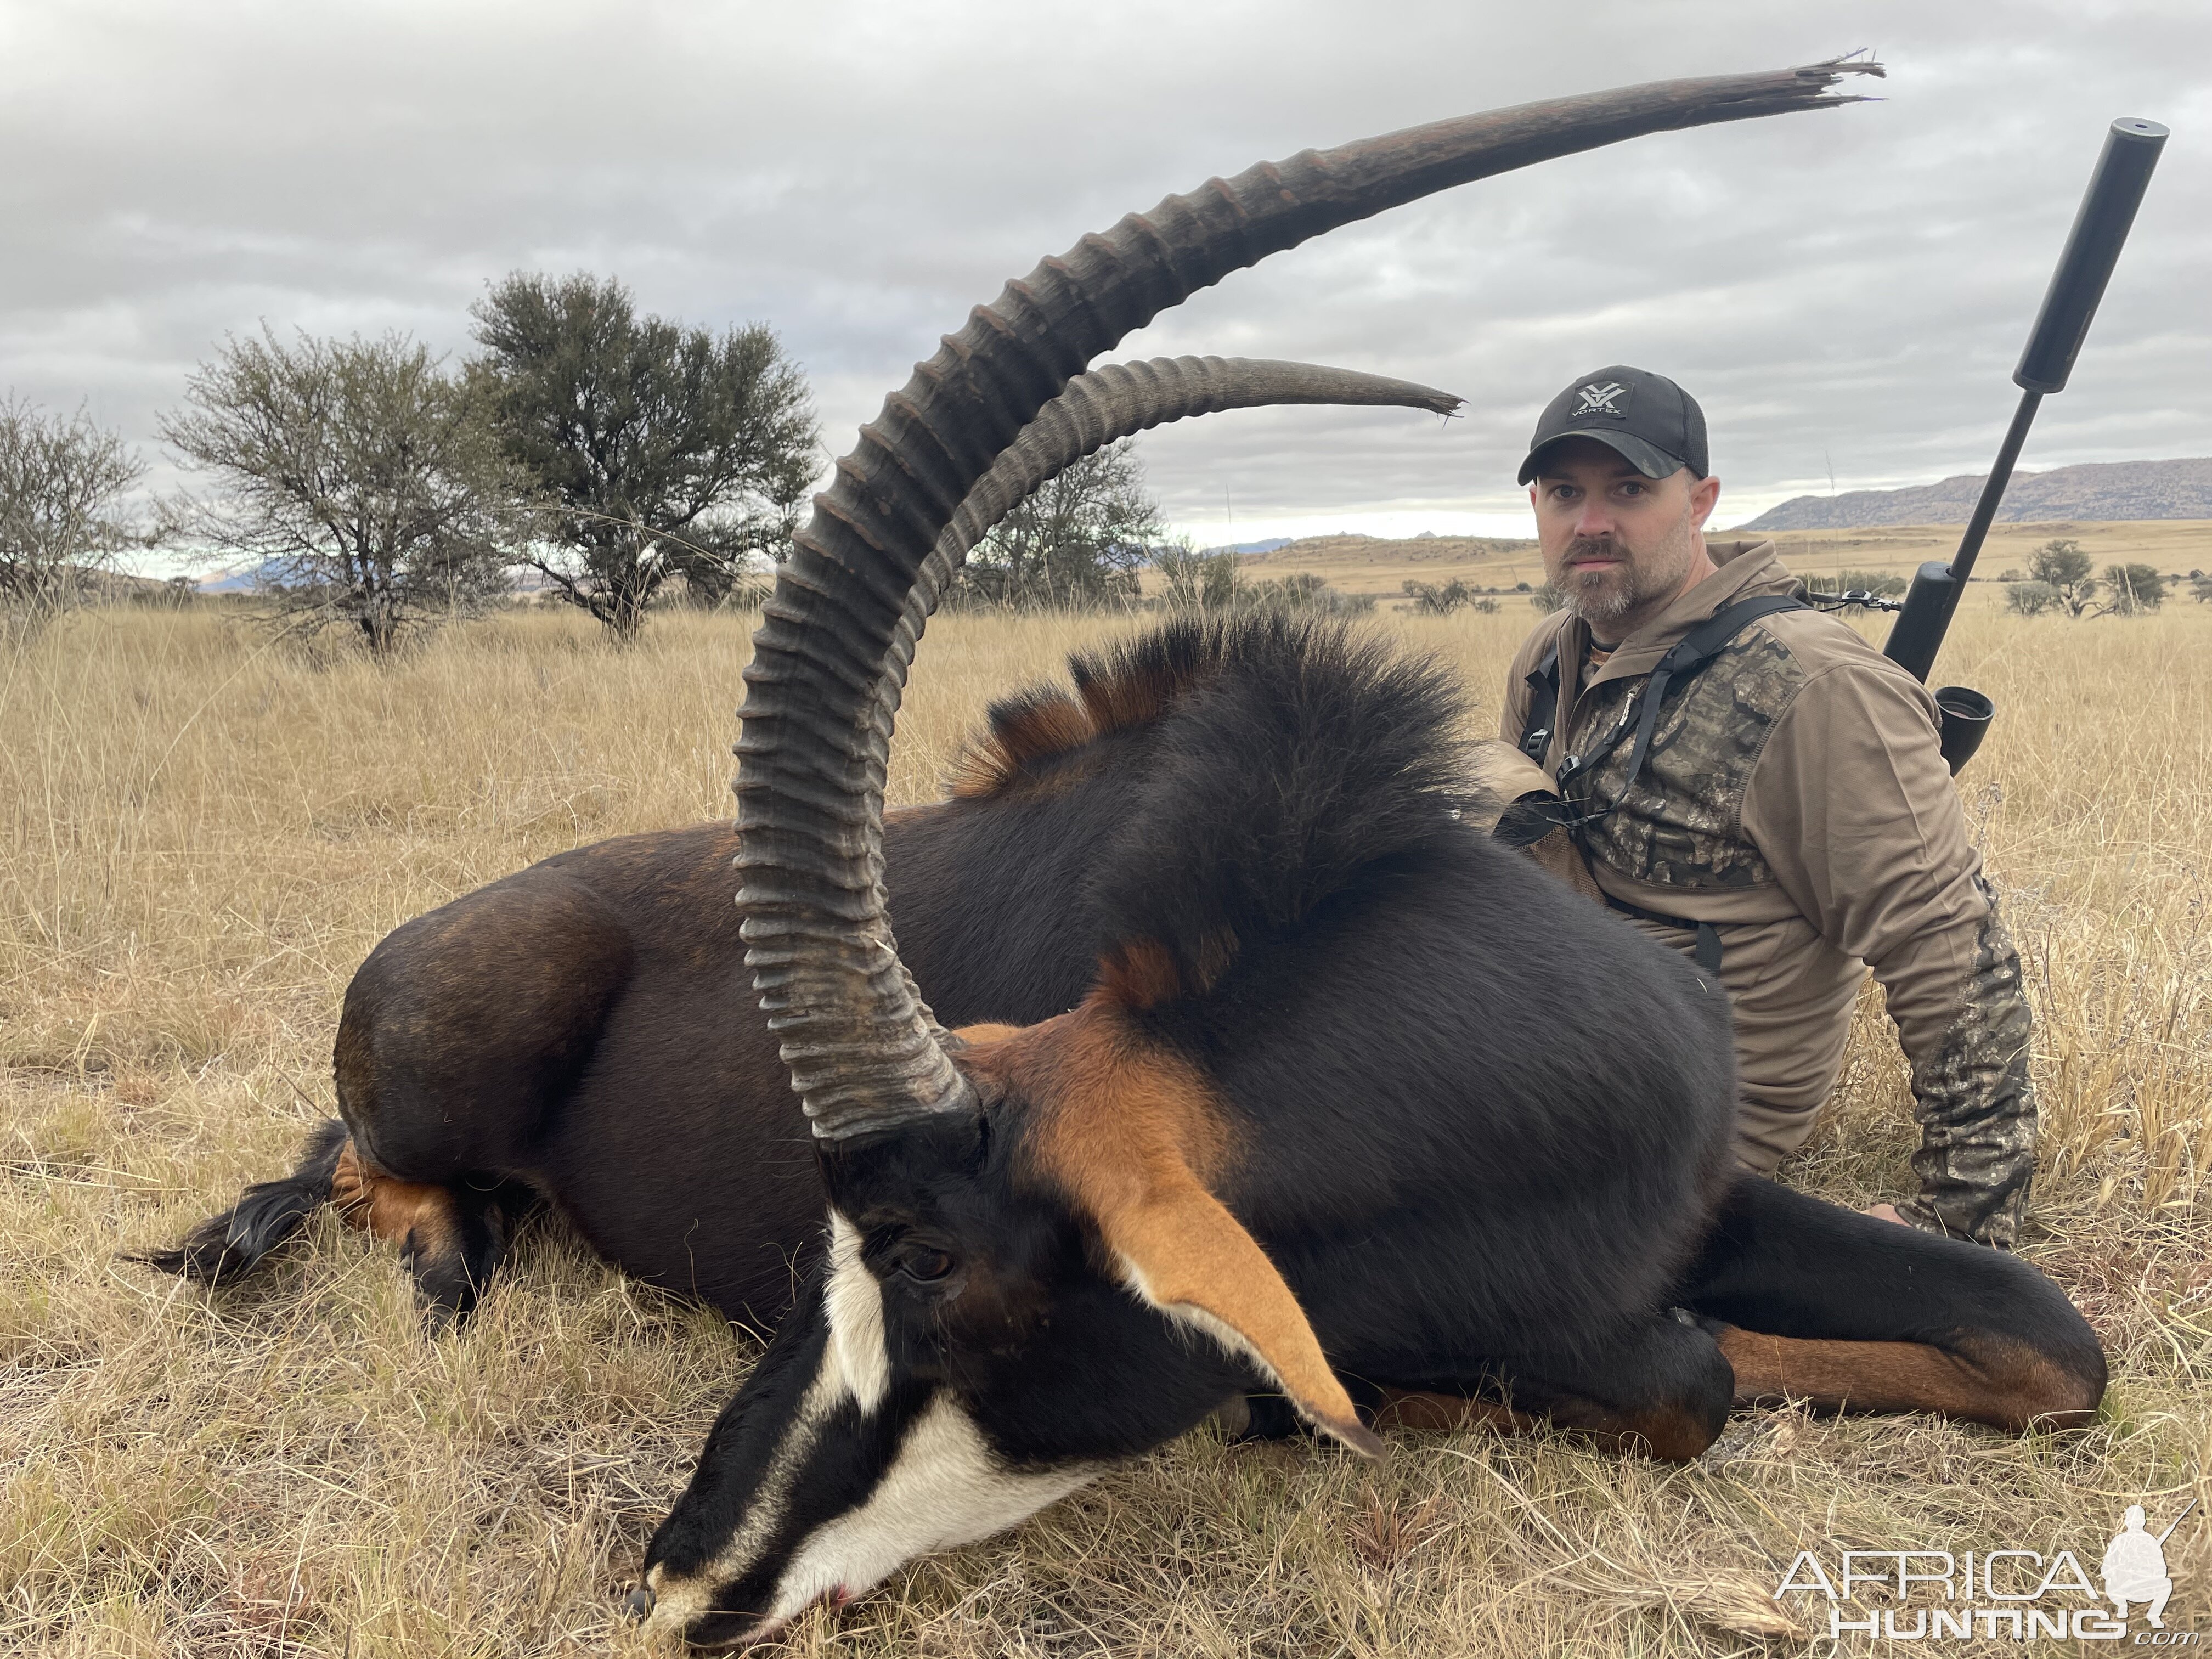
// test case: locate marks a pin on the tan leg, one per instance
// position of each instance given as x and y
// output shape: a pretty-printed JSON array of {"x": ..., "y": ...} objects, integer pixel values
[
  {"x": 406, "y": 1211},
  {"x": 1989, "y": 1380},
  {"x": 449, "y": 1256},
  {"x": 1426, "y": 1413},
  {"x": 1672, "y": 1434}
]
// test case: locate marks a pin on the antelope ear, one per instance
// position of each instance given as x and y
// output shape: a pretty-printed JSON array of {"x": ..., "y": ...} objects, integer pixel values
[
  {"x": 1183, "y": 1252},
  {"x": 1124, "y": 1128}
]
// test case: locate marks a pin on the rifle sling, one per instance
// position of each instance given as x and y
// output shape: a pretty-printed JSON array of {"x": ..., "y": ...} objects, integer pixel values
[{"x": 1707, "y": 953}]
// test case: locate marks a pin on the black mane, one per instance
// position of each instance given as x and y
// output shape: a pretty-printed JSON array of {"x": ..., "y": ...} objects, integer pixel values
[
  {"x": 1297, "y": 757},
  {"x": 1258, "y": 766}
]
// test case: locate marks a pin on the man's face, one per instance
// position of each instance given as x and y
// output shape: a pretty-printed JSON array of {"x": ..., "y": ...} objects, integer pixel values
[{"x": 1617, "y": 545}]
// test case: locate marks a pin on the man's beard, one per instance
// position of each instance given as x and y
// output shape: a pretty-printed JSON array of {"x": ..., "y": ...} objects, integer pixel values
[{"x": 1606, "y": 593}]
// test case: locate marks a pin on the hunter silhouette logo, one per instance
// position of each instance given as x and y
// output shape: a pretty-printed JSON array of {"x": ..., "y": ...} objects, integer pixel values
[
  {"x": 1942, "y": 1596},
  {"x": 1610, "y": 398},
  {"x": 2135, "y": 1565}
]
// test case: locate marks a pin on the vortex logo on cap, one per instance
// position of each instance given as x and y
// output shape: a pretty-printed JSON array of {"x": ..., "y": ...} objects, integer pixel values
[{"x": 1610, "y": 398}]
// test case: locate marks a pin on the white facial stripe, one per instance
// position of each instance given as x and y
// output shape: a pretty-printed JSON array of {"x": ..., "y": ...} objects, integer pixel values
[
  {"x": 677, "y": 1601},
  {"x": 944, "y": 1489},
  {"x": 675, "y": 1604},
  {"x": 854, "y": 1305}
]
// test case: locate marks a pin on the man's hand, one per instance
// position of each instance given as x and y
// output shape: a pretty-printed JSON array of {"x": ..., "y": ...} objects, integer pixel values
[{"x": 1885, "y": 1213}]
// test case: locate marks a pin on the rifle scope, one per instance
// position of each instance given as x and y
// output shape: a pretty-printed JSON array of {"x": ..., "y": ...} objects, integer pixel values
[{"x": 2092, "y": 247}]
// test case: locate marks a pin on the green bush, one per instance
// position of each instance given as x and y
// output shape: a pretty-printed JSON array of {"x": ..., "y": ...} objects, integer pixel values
[
  {"x": 2134, "y": 588},
  {"x": 1309, "y": 592},
  {"x": 1438, "y": 599},
  {"x": 2064, "y": 568},
  {"x": 1879, "y": 583},
  {"x": 1199, "y": 581}
]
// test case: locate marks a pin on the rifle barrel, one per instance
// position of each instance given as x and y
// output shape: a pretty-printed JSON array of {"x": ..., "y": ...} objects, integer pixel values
[
  {"x": 2093, "y": 248},
  {"x": 2177, "y": 1520},
  {"x": 1985, "y": 510}
]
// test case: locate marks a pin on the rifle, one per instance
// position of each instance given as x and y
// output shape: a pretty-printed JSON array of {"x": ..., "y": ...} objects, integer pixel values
[
  {"x": 2176, "y": 1522},
  {"x": 2092, "y": 247}
]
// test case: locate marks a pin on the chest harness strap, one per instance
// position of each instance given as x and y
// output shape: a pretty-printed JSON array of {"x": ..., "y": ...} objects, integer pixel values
[{"x": 1688, "y": 656}]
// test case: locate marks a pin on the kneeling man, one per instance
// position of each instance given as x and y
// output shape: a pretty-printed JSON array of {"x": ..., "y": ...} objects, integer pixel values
[{"x": 1778, "y": 808}]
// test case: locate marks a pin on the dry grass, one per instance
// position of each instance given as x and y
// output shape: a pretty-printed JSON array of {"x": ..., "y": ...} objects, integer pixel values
[
  {"x": 1368, "y": 564},
  {"x": 201, "y": 833}
]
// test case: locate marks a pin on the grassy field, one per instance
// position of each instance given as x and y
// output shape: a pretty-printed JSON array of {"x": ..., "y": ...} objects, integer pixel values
[
  {"x": 1366, "y": 564},
  {"x": 201, "y": 835}
]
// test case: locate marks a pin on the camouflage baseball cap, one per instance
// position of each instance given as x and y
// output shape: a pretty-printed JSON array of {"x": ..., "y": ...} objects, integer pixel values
[{"x": 1653, "y": 423}]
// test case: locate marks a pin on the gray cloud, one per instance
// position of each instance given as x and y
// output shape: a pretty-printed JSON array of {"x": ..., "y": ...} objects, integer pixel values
[{"x": 1846, "y": 289}]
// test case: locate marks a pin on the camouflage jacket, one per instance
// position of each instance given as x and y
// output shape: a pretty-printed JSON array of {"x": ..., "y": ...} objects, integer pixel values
[{"x": 1794, "y": 798}]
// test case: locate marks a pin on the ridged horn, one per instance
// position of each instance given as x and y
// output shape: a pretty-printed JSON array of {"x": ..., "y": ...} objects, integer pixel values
[
  {"x": 1107, "y": 404},
  {"x": 1121, "y": 399},
  {"x": 825, "y": 675}
]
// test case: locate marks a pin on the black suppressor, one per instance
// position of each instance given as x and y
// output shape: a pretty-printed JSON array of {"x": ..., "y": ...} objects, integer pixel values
[{"x": 2092, "y": 247}]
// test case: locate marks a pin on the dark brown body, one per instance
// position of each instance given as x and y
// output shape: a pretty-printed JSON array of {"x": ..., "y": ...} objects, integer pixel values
[
  {"x": 586, "y": 1027},
  {"x": 585, "y": 1033}
]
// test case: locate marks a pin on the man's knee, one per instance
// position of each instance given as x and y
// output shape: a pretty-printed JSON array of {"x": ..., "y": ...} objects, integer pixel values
[{"x": 1765, "y": 1135}]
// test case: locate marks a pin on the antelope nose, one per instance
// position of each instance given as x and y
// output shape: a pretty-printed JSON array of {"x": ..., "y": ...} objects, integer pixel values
[{"x": 640, "y": 1604}]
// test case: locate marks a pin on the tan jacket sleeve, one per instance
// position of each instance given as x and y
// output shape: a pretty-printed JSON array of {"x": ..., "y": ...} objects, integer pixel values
[{"x": 1853, "y": 808}]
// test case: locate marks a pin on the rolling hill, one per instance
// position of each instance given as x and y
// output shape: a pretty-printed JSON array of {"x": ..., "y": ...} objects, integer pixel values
[{"x": 2099, "y": 491}]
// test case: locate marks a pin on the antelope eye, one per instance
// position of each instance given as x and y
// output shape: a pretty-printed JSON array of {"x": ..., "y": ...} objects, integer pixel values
[{"x": 924, "y": 1266}]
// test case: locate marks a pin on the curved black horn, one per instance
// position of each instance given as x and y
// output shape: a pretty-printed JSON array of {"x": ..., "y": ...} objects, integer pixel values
[
  {"x": 862, "y": 1051},
  {"x": 1114, "y": 401},
  {"x": 1109, "y": 404}
]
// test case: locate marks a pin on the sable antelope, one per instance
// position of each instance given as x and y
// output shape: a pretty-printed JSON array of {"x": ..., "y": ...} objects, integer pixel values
[
  {"x": 580, "y": 1031},
  {"x": 1358, "y": 1105}
]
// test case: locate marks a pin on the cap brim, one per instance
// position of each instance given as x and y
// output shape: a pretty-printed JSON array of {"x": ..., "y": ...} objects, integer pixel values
[{"x": 1648, "y": 459}]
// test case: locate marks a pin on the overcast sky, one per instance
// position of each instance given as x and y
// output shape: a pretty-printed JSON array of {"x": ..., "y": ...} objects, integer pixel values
[{"x": 1846, "y": 289}]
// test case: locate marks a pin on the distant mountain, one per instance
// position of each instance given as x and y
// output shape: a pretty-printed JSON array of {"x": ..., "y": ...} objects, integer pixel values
[
  {"x": 1349, "y": 547},
  {"x": 1268, "y": 546},
  {"x": 253, "y": 578},
  {"x": 241, "y": 579},
  {"x": 2103, "y": 491}
]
